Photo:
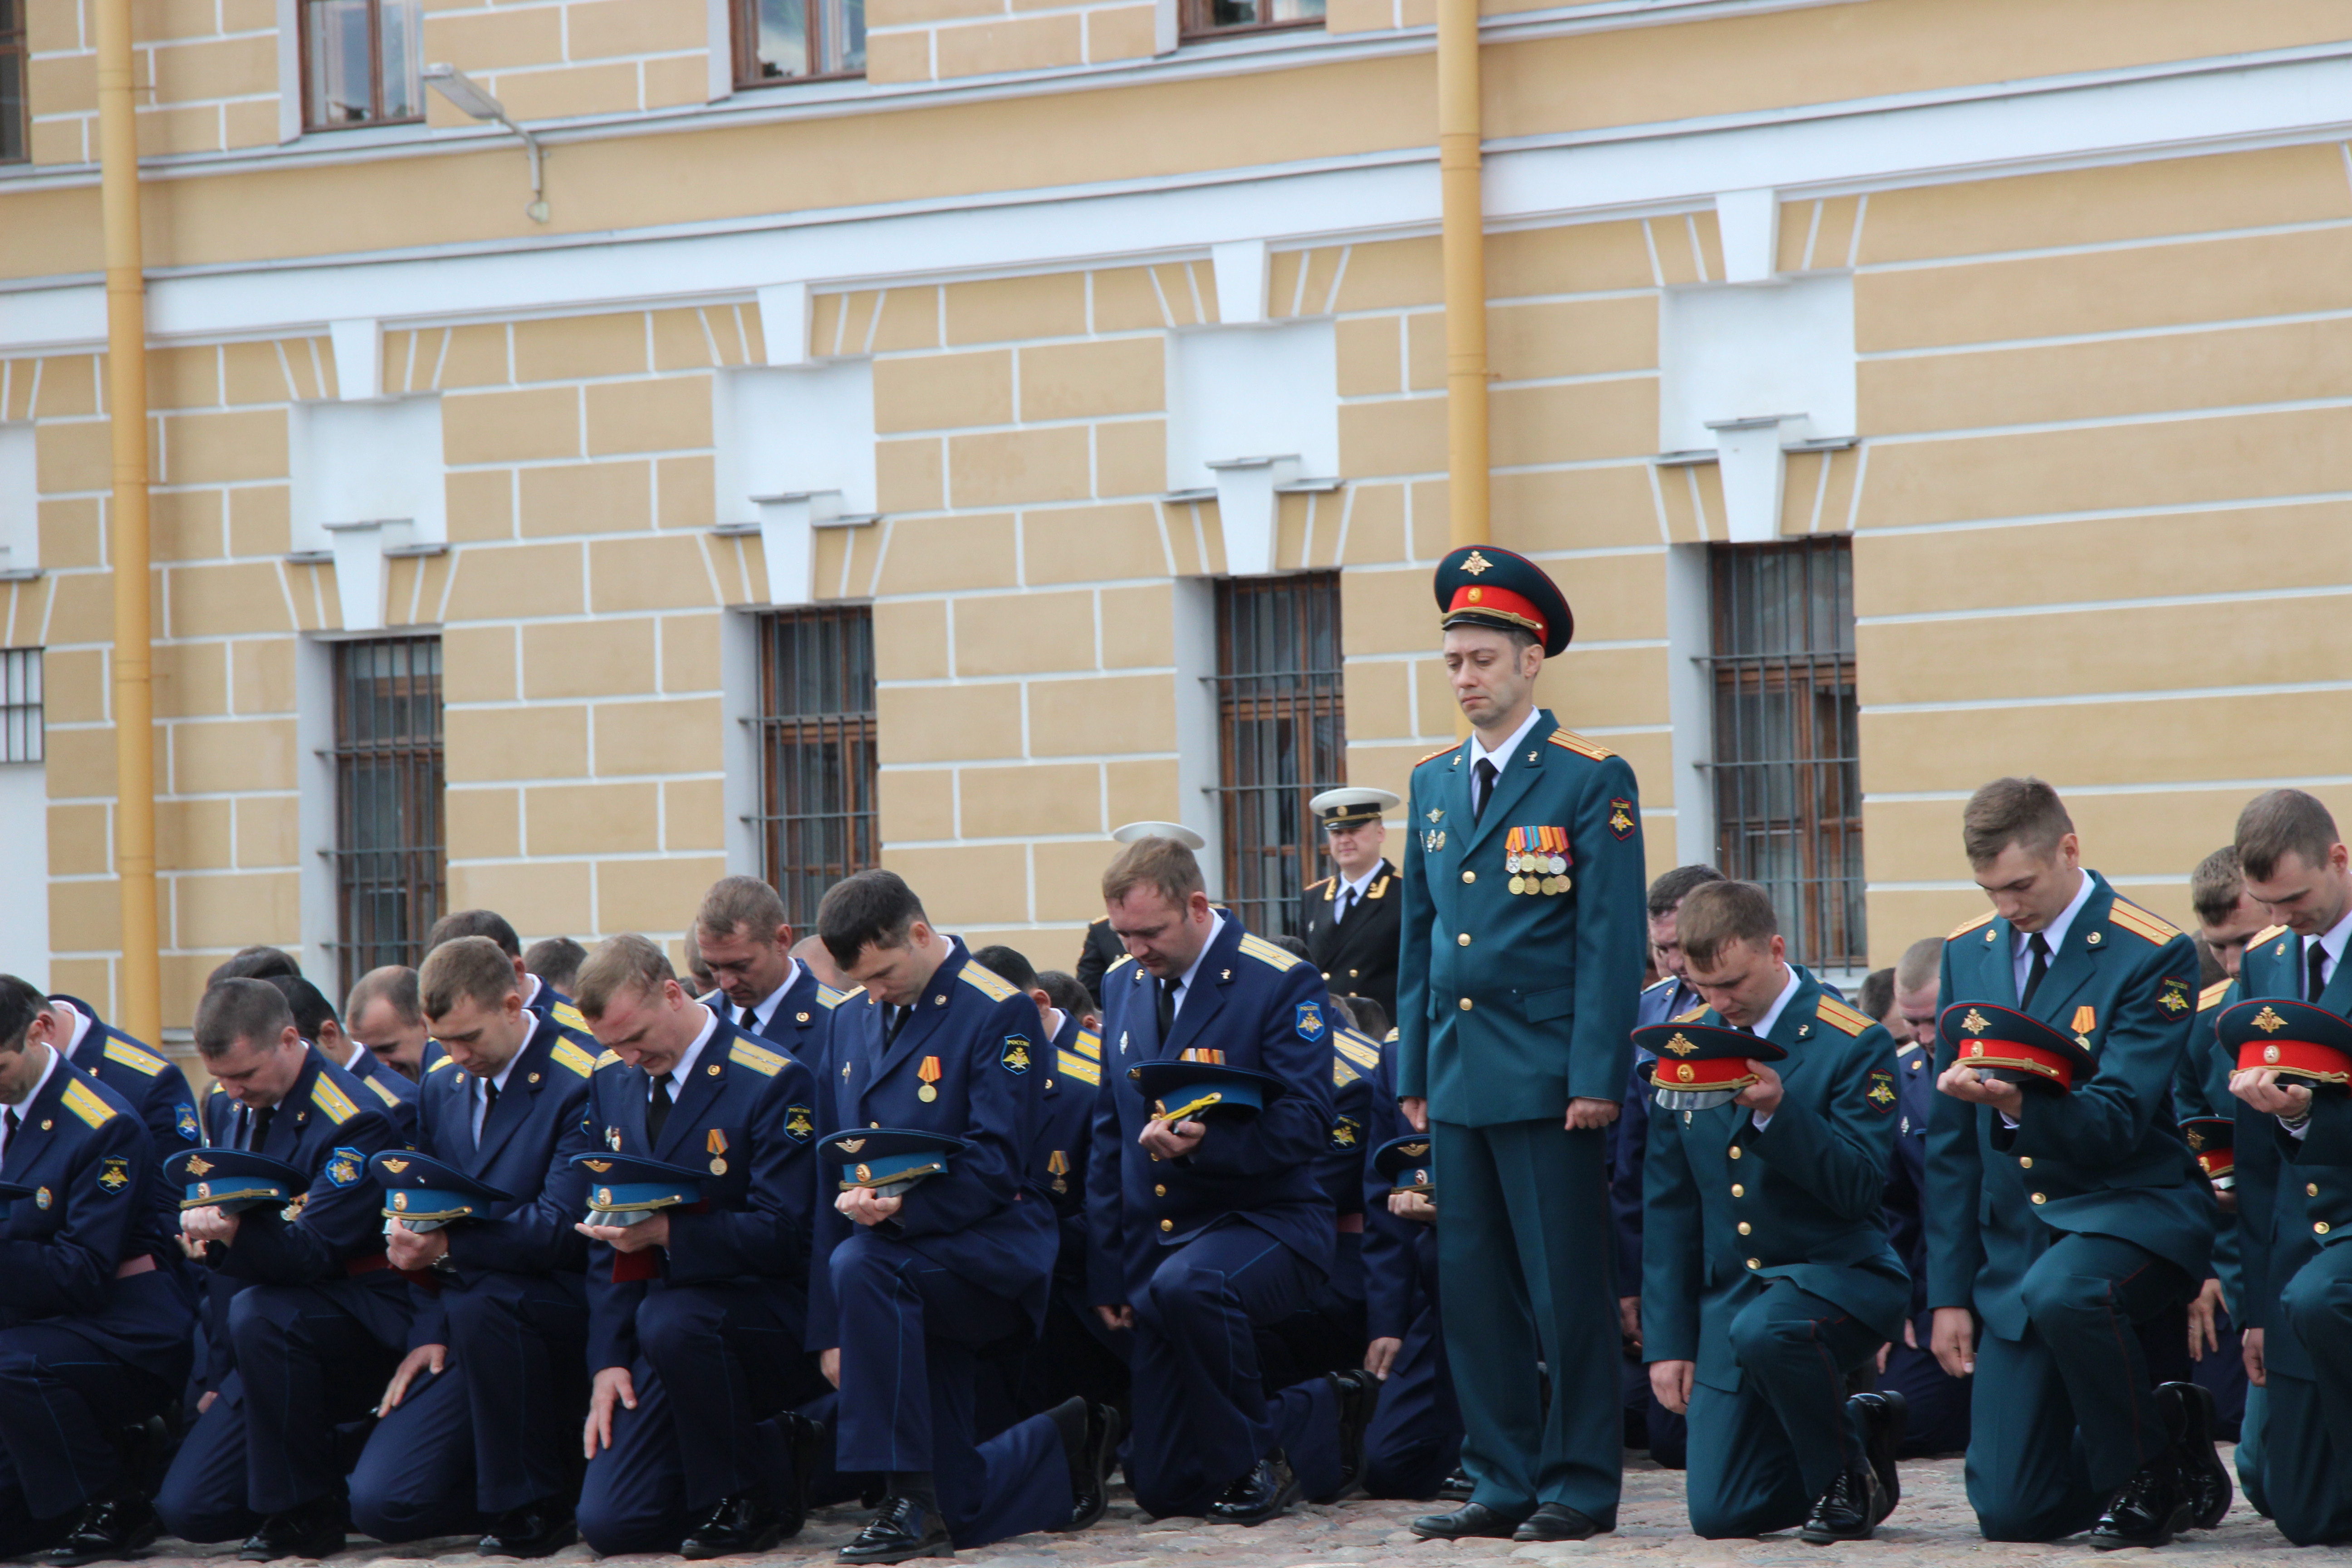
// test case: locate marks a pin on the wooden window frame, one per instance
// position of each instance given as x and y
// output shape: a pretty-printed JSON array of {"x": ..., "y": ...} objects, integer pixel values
[
  {"x": 305, "y": 31},
  {"x": 744, "y": 16},
  {"x": 413, "y": 869},
  {"x": 1790, "y": 780},
  {"x": 15, "y": 47},
  {"x": 1280, "y": 673},
  {"x": 1194, "y": 24},
  {"x": 822, "y": 739}
]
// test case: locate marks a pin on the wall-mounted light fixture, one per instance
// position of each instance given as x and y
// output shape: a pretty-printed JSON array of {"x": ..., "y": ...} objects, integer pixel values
[{"x": 468, "y": 95}]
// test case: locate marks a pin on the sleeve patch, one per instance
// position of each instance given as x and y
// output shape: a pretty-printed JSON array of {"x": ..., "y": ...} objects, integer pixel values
[
  {"x": 1623, "y": 819},
  {"x": 759, "y": 1059},
  {"x": 137, "y": 1059},
  {"x": 2211, "y": 997},
  {"x": 184, "y": 1119},
  {"x": 1015, "y": 1057},
  {"x": 1310, "y": 1021},
  {"x": 2172, "y": 996},
  {"x": 1085, "y": 1070},
  {"x": 113, "y": 1176},
  {"x": 799, "y": 1123},
  {"x": 343, "y": 1168},
  {"x": 1839, "y": 1017},
  {"x": 1568, "y": 740},
  {"x": 1880, "y": 1091},
  {"x": 382, "y": 1093},
  {"x": 1977, "y": 924},
  {"x": 1266, "y": 953},
  {"x": 85, "y": 1102},
  {"x": 571, "y": 1058},
  {"x": 1347, "y": 1135}
]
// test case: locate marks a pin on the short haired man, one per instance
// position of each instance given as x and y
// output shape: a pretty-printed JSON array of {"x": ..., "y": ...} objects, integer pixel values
[
  {"x": 742, "y": 936},
  {"x": 1673, "y": 996},
  {"x": 386, "y": 1019},
  {"x": 1205, "y": 1231},
  {"x": 1063, "y": 991},
  {"x": 480, "y": 1419},
  {"x": 1768, "y": 1280},
  {"x": 537, "y": 995},
  {"x": 810, "y": 954},
  {"x": 1518, "y": 982},
  {"x": 96, "y": 1321},
  {"x": 695, "y": 1313},
  {"x": 1937, "y": 1402},
  {"x": 314, "y": 1019},
  {"x": 1352, "y": 915},
  {"x": 908, "y": 1286},
  {"x": 319, "y": 1318},
  {"x": 2293, "y": 1146},
  {"x": 2067, "y": 1218},
  {"x": 150, "y": 1080},
  {"x": 2228, "y": 916},
  {"x": 255, "y": 963},
  {"x": 556, "y": 961}
]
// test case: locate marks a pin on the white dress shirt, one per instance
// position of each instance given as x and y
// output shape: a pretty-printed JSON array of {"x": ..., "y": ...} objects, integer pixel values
[
  {"x": 1184, "y": 984},
  {"x": 1357, "y": 886},
  {"x": 685, "y": 1068},
  {"x": 1763, "y": 1027},
  {"x": 1500, "y": 756},
  {"x": 764, "y": 1010},
  {"x": 481, "y": 1098},
  {"x": 2055, "y": 933}
]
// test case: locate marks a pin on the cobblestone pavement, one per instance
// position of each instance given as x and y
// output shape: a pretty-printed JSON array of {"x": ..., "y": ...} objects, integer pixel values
[{"x": 1933, "y": 1526}]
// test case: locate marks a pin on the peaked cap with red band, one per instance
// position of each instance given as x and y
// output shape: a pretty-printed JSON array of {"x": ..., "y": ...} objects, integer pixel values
[
  {"x": 2014, "y": 1046},
  {"x": 2212, "y": 1141},
  {"x": 1703, "y": 1055},
  {"x": 1483, "y": 586},
  {"x": 2294, "y": 1040}
]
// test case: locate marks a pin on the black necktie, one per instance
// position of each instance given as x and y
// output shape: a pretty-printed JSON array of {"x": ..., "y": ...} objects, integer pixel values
[
  {"x": 1346, "y": 908},
  {"x": 898, "y": 1021},
  {"x": 2313, "y": 960},
  {"x": 2040, "y": 949},
  {"x": 657, "y": 1113},
  {"x": 489, "y": 1098},
  {"x": 260, "y": 1134},
  {"x": 1482, "y": 786},
  {"x": 1167, "y": 1004},
  {"x": 747, "y": 1023},
  {"x": 8, "y": 1144}
]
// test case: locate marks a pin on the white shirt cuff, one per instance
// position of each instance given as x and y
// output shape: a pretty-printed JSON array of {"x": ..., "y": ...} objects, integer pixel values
[{"x": 1759, "y": 1119}]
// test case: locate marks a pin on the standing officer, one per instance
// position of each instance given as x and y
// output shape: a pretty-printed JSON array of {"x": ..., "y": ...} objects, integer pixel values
[
  {"x": 1352, "y": 915},
  {"x": 1205, "y": 1229},
  {"x": 319, "y": 1320},
  {"x": 914, "y": 1281},
  {"x": 2065, "y": 1219},
  {"x": 1768, "y": 1279},
  {"x": 1517, "y": 982},
  {"x": 697, "y": 1311},
  {"x": 93, "y": 1333},
  {"x": 480, "y": 1419},
  {"x": 772, "y": 995}
]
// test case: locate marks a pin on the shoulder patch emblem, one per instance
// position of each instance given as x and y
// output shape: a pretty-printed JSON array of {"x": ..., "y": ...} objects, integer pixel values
[
  {"x": 571, "y": 1058},
  {"x": 1085, "y": 1070},
  {"x": 184, "y": 1119},
  {"x": 986, "y": 981},
  {"x": 2141, "y": 923},
  {"x": 1621, "y": 821},
  {"x": 2211, "y": 997},
  {"x": 1014, "y": 1057},
  {"x": 799, "y": 1123},
  {"x": 382, "y": 1093},
  {"x": 84, "y": 1102},
  {"x": 1347, "y": 1135},
  {"x": 1356, "y": 1049},
  {"x": 136, "y": 1058},
  {"x": 1960, "y": 931},
  {"x": 343, "y": 1168},
  {"x": 1569, "y": 741},
  {"x": 113, "y": 1174},
  {"x": 1839, "y": 1017},
  {"x": 1880, "y": 1092},
  {"x": 339, "y": 1106},
  {"x": 1310, "y": 1021},
  {"x": 2172, "y": 996},
  {"x": 1266, "y": 953},
  {"x": 759, "y": 1059}
]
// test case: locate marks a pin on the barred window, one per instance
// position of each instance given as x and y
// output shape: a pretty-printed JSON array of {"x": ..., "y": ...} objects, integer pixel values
[
  {"x": 817, "y": 766},
  {"x": 1788, "y": 771},
  {"x": 21, "y": 732},
  {"x": 13, "y": 118},
  {"x": 391, "y": 854},
  {"x": 1282, "y": 736}
]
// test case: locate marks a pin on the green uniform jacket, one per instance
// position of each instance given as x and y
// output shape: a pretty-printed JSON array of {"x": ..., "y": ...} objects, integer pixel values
[
  {"x": 1510, "y": 1004},
  {"x": 1810, "y": 1191},
  {"x": 2106, "y": 1159},
  {"x": 2200, "y": 1087}
]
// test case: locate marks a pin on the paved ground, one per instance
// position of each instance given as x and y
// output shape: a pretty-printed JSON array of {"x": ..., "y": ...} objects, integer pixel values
[{"x": 1933, "y": 1526}]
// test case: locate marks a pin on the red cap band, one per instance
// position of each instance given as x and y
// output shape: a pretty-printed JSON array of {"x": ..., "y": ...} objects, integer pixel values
[
  {"x": 2301, "y": 1058},
  {"x": 2217, "y": 1161},
  {"x": 2059, "y": 1069},
  {"x": 1716, "y": 1072},
  {"x": 1501, "y": 604}
]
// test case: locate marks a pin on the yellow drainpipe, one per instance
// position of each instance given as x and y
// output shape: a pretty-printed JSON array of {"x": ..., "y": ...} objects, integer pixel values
[
  {"x": 139, "y": 995},
  {"x": 1459, "y": 113}
]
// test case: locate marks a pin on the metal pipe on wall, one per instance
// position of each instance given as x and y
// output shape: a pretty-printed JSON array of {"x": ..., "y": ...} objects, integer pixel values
[
  {"x": 1460, "y": 127},
  {"x": 138, "y": 989}
]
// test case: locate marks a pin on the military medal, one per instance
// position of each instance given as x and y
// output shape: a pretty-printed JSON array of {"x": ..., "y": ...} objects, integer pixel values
[
  {"x": 929, "y": 1073},
  {"x": 716, "y": 1144}
]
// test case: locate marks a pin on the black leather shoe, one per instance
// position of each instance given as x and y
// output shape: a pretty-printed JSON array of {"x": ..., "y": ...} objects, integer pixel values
[
  {"x": 736, "y": 1526},
  {"x": 1091, "y": 1462},
  {"x": 1357, "y": 1394},
  {"x": 1555, "y": 1521},
  {"x": 804, "y": 1446},
  {"x": 536, "y": 1530},
  {"x": 110, "y": 1527},
  {"x": 2151, "y": 1506},
  {"x": 1881, "y": 1418},
  {"x": 903, "y": 1529},
  {"x": 1456, "y": 1487},
  {"x": 314, "y": 1529},
  {"x": 1265, "y": 1492},
  {"x": 1472, "y": 1519},
  {"x": 2187, "y": 1410},
  {"x": 1847, "y": 1511}
]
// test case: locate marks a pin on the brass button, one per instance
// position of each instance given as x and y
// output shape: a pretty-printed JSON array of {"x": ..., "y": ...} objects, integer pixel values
[
  {"x": 1168, "y": 1225},
  {"x": 1466, "y": 1004},
  {"x": 1755, "y": 1263},
  {"x": 2321, "y": 1228},
  {"x": 1737, "y": 1191},
  {"x": 1463, "y": 941},
  {"x": 1469, "y": 876},
  {"x": 2311, "y": 1189},
  {"x": 2025, "y": 1162},
  {"x": 1160, "y": 1192},
  {"x": 1735, "y": 1150},
  {"x": 1352, "y": 973},
  {"x": 2040, "y": 1197},
  {"x": 1744, "y": 1228}
]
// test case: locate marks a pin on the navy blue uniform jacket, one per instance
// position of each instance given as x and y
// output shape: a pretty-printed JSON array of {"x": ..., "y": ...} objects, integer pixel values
[
  {"x": 746, "y": 1115},
  {"x": 1057, "y": 1160},
  {"x": 1265, "y": 1010},
  {"x": 158, "y": 1094},
  {"x": 393, "y": 1090},
  {"x": 2105, "y": 1159},
  {"x": 991, "y": 1059},
  {"x": 1395, "y": 1250},
  {"x": 1907, "y": 1173},
  {"x": 1509, "y": 1005}
]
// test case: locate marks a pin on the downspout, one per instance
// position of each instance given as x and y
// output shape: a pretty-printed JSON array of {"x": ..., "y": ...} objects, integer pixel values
[
  {"x": 139, "y": 994},
  {"x": 1459, "y": 130}
]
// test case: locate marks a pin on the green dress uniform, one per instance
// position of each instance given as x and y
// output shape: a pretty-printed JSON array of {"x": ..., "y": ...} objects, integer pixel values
[
  {"x": 1516, "y": 993},
  {"x": 2070, "y": 1228}
]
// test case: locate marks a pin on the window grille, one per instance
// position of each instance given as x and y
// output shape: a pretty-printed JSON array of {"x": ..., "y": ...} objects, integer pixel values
[
  {"x": 21, "y": 732},
  {"x": 391, "y": 854},
  {"x": 1282, "y": 736},
  {"x": 816, "y": 750},
  {"x": 14, "y": 119}
]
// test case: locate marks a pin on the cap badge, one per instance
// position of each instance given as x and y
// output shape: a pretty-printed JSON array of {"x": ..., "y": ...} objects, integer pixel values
[
  {"x": 2267, "y": 1021},
  {"x": 599, "y": 1166},
  {"x": 1681, "y": 1046},
  {"x": 1474, "y": 563},
  {"x": 1976, "y": 1022},
  {"x": 200, "y": 1167},
  {"x": 849, "y": 1146},
  {"x": 394, "y": 1166}
]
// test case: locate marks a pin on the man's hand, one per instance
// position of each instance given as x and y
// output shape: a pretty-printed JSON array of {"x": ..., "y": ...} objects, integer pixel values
[
  {"x": 1119, "y": 1317},
  {"x": 612, "y": 1384},
  {"x": 2202, "y": 1335},
  {"x": 651, "y": 1231},
  {"x": 2260, "y": 1087},
  {"x": 1416, "y": 1112},
  {"x": 1414, "y": 1206},
  {"x": 1169, "y": 1139},
  {"x": 204, "y": 1402},
  {"x": 1887, "y": 1350},
  {"x": 423, "y": 1358},
  {"x": 1671, "y": 1381},
  {"x": 1629, "y": 1320},
  {"x": 1379, "y": 1355},
  {"x": 208, "y": 1224},
  {"x": 1591, "y": 1115},
  {"x": 1910, "y": 1337},
  {"x": 829, "y": 1363},
  {"x": 413, "y": 1250},
  {"x": 1964, "y": 1082},
  {"x": 1953, "y": 1342},
  {"x": 864, "y": 1205},
  {"x": 2250, "y": 1346},
  {"x": 1762, "y": 1096}
]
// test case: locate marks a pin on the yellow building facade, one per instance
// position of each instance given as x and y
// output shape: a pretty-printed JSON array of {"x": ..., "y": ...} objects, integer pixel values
[{"x": 2010, "y": 341}]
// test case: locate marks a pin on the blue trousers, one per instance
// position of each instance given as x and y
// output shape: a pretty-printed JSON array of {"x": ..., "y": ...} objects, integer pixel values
[
  {"x": 1759, "y": 1457},
  {"x": 498, "y": 1429},
  {"x": 1202, "y": 1415},
  {"x": 2060, "y": 1418},
  {"x": 61, "y": 1402},
  {"x": 1938, "y": 1402},
  {"x": 1528, "y": 1256},
  {"x": 2307, "y": 1446},
  {"x": 1415, "y": 1438}
]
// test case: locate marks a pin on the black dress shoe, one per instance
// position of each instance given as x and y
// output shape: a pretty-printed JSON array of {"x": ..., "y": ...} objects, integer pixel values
[
  {"x": 1357, "y": 1394},
  {"x": 1472, "y": 1519},
  {"x": 1555, "y": 1521},
  {"x": 110, "y": 1527},
  {"x": 1847, "y": 1511},
  {"x": 1881, "y": 1418},
  {"x": 2151, "y": 1506},
  {"x": 804, "y": 1446},
  {"x": 903, "y": 1529},
  {"x": 2188, "y": 1416},
  {"x": 1267, "y": 1491},
  {"x": 536, "y": 1530},
  {"x": 736, "y": 1526},
  {"x": 1091, "y": 1462},
  {"x": 1456, "y": 1487},
  {"x": 314, "y": 1529}
]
